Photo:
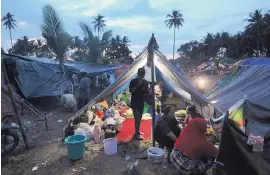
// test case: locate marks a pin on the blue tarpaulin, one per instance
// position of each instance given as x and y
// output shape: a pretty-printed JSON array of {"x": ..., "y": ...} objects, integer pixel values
[{"x": 255, "y": 61}]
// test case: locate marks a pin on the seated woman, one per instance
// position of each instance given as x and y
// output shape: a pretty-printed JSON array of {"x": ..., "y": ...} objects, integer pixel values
[
  {"x": 191, "y": 112},
  {"x": 193, "y": 153},
  {"x": 167, "y": 129}
]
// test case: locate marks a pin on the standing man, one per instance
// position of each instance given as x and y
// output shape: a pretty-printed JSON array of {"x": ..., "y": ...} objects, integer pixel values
[
  {"x": 76, "y": 86},
  {"x": 138, "y": 88},
  {"x": 85, "y": 85}
]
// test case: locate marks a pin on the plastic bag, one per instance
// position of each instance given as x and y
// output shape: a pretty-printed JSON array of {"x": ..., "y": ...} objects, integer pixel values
[
  {"x": 118, "y": 122},
  {"x": 109, "y": 121},
  {"x": 88, "y": 130},
  {"x": 79, "y": 131},
  {"x": 90, "y": 116}
]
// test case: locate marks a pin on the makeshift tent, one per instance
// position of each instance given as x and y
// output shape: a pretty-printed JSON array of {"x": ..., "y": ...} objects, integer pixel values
[
  {"x": 245, "y": 118},
  {"x": 249, "y": 78},
  {"x": 74, "y": 66},
  {"x": 46, "y": 77},
  {"x": 171, "y": 76},
  {"x": 40, "y": 79},
  {"x": 209, "y": 65}
]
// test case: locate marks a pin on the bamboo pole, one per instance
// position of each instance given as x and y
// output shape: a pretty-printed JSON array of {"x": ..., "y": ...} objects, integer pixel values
[
  {"x": 153, "y": 93},
  {"x": 153, "y": 106},
  {"x": 6, "y": 80}
]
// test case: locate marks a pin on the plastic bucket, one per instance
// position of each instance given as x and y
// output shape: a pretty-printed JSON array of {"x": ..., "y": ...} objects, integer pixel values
[
  {"x": 75, "y": 146},
  {"x": 110, "y": 146}
]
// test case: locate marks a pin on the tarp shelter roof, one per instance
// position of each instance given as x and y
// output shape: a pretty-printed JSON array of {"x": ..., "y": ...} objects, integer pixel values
[
  {"x": 248, "y": 80},
  {"x": 76, "y": 66},
  {"x": 46, "y": 77},
  {"x": 254, "y": 61},
  {"x": 92, "y": 68},
  {"x": 37, "y": 79},
  {"x": 209, "y": 65},
  {"x": 176, "y": 80}
]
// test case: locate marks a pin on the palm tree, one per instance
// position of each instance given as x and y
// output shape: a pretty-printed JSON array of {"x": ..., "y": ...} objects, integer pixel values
[
  {"x": 10, "y": 23},
  {"x": 26, "y": 45},
  {"x": 125, "y": 41},
  {"x": 95, "y": 46},
  {"x": 255, "y": 20},
  {"x": 174, "y": 20},
  {"x": 53, "y": 31},
  {"x": 2, "y": 51},
  {"x": 99, "y": 23}
]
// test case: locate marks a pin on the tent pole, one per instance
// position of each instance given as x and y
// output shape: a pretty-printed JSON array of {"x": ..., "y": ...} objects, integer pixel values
[
  {"x": 153, "y": 106},
  {"x": 6, "y": 80}
]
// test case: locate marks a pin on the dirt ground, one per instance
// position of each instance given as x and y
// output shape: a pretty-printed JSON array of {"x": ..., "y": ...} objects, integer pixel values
[
  {"x": 52, "y": 159},
  {"x": 50, "y": 154}
]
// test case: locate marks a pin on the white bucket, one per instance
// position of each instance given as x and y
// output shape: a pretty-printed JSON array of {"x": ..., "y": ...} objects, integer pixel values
[{"x": 110, "y": 146}]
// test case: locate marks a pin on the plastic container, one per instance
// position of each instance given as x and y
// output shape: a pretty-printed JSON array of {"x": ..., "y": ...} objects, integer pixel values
[
  {"x": 164, "y": 162},
  {"x": 110, "y": 146},
  {"x": 155, "y": 155},
  {"x": 75, "y": 146}
]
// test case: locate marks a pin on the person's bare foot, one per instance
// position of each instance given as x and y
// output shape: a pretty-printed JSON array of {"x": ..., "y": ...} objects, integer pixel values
[{"x": 138, "y": 137}]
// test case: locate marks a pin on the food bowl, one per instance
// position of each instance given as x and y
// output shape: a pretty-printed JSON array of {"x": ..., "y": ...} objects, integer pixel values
[{"x": 155, "y": 155}]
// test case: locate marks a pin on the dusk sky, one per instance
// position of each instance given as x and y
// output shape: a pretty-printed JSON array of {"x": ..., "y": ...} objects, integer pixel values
[{"x": 136, "y": 19}]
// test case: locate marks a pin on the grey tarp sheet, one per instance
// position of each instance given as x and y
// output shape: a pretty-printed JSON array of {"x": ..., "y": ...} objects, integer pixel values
[
  {"x": 91, "y": 68},
  {"x": 40, "y": 79},
  {"x": 176, "y": 80},
  {"x": 76, "y": 67},
  {"x": 253, "y": 83}
]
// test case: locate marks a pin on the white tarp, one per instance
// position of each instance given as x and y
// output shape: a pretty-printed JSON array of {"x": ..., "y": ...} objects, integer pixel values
[{"x": 176, "y": 80}]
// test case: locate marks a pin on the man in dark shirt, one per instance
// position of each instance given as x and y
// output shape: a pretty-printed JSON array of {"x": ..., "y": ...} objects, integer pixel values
[
  {"x": 85, "y": 85},
  {"x": 138, "y": 88},
  {"x": 167, "y": 129}
]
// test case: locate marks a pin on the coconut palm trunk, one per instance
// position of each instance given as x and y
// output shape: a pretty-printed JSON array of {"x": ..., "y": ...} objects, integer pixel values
[
  {"x": 258, "y": 38},
  {"x": 10, "y": 38},
  {"x": 173, "y": 41}
]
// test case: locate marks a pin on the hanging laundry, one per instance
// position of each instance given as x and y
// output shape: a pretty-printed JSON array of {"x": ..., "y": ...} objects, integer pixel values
[{"x": 257, "y": 142}]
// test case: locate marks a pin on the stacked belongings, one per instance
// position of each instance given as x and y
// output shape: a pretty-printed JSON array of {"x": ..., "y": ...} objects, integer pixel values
[
  {"x": 101, "y": 121},
  {"x": 245, "y": 140}
]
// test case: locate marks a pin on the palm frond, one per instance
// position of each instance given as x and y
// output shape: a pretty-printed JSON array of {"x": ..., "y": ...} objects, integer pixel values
[
  {"x": 105, "y": 40},
  {"x": 88, "y": 34},
  {"x": 175, "y": 19},
  {"x": 53, "y": 31}
]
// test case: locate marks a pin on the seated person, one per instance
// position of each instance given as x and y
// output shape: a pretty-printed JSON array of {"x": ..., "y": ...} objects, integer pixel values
[
  {"x": 68, "y": 101},
  {"x": 193, "y": 153},
  {"x": 191, "y": 112},
  {"x": 167, "y": 129}
]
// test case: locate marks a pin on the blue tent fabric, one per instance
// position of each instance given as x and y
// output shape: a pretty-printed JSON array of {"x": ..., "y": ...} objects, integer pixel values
[
  {"x": 76, "y": 66},
  {"x": 46, "y": 79},
  {"x": 255, "y": 61},
  {"x": 91, "y": 68},
  {"x": 253, "y": 82}
]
